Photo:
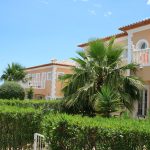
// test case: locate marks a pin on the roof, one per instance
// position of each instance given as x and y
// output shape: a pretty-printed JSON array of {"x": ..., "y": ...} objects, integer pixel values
[
  {"x": 123, "y": 34},
  {"x": 50, "y": 64},
  {"x": 135, "y": 25},
  {"x": 124, "y": 29}
]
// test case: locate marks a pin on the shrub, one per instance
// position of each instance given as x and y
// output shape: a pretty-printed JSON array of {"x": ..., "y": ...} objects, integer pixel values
[
  {"x": 17, "y": 126},
  {"x": 30, "y": 93},
  {"x": 11, "y": 90},
  {"x": 68, "y": 132},
  {"x": 45, "y": 105}
]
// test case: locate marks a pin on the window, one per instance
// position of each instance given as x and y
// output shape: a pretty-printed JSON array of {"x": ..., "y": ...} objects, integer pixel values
[
  {"x": 142, "y": 44},
  {"x": 38, "y": 76},
  {"x": 33, "y": 76},
  {"x": 43, "y": 80},
  {"x": 49, "y": 76},
  {"x": 43, "y": 76},
  {"x": 28, "y": 79},
  {"x": 143, "y": 104},
  {"x": 37, "y": 80},
  {"x": 59, "y": 74}
]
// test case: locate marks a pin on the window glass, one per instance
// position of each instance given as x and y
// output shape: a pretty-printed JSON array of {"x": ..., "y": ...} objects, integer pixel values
[
  {"x": 44, "y": 76},
  {"x": 33, "y": 76},
  {"x": 49, "y": 76},
  {"x": 142, "y": 44},
  {"x": 38, "y": 76}
]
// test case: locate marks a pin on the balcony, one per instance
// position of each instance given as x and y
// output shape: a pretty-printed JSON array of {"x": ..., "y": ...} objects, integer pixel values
[{"x": 141, "y": 57}]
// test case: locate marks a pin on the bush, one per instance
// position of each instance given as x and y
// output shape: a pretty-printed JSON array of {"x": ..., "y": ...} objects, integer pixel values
[
  {"x": 11, "y": 90},
  {"x": 45, "y": 105},
  {"x": 68, "y": 132},
  {"x": 17, "y": 126},
  {"x": 30, "y": 93}
]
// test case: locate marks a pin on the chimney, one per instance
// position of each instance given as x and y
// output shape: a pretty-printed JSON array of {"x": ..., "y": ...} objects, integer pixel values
[{"x": 53, "y": 61}]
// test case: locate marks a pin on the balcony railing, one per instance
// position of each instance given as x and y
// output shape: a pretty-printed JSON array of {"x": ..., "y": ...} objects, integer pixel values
[{"x": 141, "y": 57}]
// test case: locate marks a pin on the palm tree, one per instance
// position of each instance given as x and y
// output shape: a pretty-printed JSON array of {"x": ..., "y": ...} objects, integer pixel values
[
  {"x": 100, "y": 65},
  {"x": 14, "y": 72}
]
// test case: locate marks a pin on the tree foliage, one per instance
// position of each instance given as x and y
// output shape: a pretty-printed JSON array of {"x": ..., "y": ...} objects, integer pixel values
[
  {"x": 14, "y": 72},
  {"x": 100, "y": 65}
]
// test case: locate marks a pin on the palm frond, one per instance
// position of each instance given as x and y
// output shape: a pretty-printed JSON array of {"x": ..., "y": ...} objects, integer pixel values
[{"x": 99, "y": 66}]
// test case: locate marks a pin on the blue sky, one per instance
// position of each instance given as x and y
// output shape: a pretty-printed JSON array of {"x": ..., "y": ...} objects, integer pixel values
[{"x": 34, "y": 31}]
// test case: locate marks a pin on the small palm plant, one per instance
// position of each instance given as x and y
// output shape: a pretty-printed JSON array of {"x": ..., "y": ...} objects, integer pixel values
[
  {"x": 101, "y": 65},
  {"x": 107, "y": 102}
]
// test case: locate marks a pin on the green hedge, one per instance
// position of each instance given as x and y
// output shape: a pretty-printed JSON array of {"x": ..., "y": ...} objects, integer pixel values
[
  {"x": 45, "y": 105},
  {"x": 17, "y": 126},
  {"x": 68, "y": 132}
]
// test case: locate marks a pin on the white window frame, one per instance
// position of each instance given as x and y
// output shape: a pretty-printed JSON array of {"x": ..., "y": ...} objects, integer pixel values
[{"x": 139, "y": 43}]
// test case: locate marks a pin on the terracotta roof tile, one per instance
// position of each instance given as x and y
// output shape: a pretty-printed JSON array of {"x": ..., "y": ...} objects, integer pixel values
[
  {"x": 123, "y": 34},
  {"x": 124, "y": 29},
  {"x": 135, "y": 25},
  {"x": 50, "y": 64}
]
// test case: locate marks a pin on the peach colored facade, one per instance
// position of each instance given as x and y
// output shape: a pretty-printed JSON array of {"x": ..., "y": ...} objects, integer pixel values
[
  {"x": 136, "y": 40},
  {"x": 44, "y": 79}
]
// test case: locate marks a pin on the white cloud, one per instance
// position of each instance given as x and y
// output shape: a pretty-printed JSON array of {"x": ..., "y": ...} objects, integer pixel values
[
  {"x": 109, "y": 13},
  {"x": 148, "y": 2},
  {"x": 92, "y": 12}
]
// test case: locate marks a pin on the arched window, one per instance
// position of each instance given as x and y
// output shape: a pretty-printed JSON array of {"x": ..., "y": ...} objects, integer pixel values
[{"x": 142, "y": 44}]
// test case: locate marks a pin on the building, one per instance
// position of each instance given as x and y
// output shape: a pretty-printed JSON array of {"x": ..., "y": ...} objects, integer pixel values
[
  {"x": 44, "y": 79},
  {"x": 136, "y": 40}
]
